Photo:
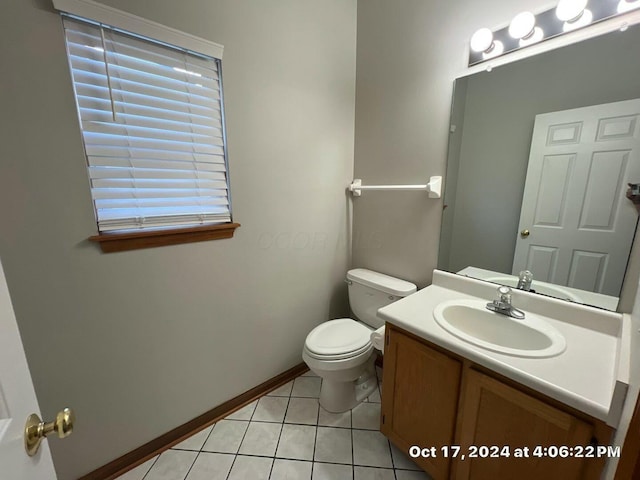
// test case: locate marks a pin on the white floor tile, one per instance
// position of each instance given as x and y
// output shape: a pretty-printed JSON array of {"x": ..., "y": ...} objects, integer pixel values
[
  {"x": 254, "y": 468},
  {"x": 333, "y": 445},
  {"x": 244, "y": 413},
  {"x": 308, "y": 373},
  {"x": 329, "y": 471},
  {"x": 172, "y": 465},
  {"x": 226, "y": 436},
  {"x": 283, "y": 391},
  {"x": 373, "y": 473},
  {"x": 297, "y": 442},
  {"x": 211, "y": 466},
  {"x": 139, "y": 472},
  {"x": 402, "y": 460},
  {"x": 371, "y": 449},
  {"x": 366, "y": 416},
  {"x": 194, "y": 442},
  {"x": 270, "y": 409},
  {"x": 306, "y": 387},
  {"x": 291, "y": 470},
  {"x": 261, "y": 439},
  {"x": 408, "y": 475},
  {"x": 302, "y": 410},
  {"x": 329, "y": 419}
]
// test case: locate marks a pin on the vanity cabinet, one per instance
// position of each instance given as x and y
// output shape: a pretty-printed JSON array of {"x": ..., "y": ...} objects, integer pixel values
[
  {"x": 419, "y": 408},
  {"x": 433, "y": 398}
]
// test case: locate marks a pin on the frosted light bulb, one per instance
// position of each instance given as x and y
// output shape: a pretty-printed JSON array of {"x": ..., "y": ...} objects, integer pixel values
[
  {"x": 482, "y": 40},
  {"x": 522, "y": 25},
  {"x": 569, "y": 10}
]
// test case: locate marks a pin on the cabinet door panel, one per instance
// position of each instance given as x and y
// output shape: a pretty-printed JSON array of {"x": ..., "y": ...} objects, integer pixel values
[
  {"x": 419, "y": 398},
  {"x": 494, "y": 413}
]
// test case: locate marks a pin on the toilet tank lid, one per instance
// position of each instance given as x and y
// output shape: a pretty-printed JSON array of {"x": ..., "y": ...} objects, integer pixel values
[{"x": 380, "y": 281}]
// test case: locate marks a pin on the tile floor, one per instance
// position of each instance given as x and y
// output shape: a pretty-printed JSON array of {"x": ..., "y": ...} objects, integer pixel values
[{"x": 286, "y": 435}]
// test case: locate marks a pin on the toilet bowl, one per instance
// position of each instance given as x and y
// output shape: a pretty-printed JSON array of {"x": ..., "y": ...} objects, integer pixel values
[{"x": 340, "y": 351}]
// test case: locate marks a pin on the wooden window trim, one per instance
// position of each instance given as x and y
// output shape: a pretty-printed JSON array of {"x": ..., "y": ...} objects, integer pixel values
[{"x": 119, "y": 241}]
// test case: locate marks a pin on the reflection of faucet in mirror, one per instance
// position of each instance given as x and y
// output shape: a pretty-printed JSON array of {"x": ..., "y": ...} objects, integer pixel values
[
  {"x": 633, "y": 194},
  {"x": 524, "y": 280},
  {"x": 502, "y": 304}
]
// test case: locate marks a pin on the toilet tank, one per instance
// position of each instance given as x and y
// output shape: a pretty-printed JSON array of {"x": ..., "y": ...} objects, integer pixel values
[{"x": 369, "y": 291}]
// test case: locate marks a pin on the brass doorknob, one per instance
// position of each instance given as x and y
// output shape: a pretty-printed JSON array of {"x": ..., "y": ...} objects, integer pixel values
[
  {"x": 36, "y": 430},
  {"x": 525, "y": 233}
]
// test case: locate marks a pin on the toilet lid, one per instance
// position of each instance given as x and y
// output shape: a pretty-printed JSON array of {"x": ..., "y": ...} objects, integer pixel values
[{"x": 337, "y": 337}]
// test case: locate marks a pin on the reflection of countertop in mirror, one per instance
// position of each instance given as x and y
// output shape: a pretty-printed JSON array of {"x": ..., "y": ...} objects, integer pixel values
[
  {"x": 591, "y": 375},
  {"x": 572, "y": 294}
]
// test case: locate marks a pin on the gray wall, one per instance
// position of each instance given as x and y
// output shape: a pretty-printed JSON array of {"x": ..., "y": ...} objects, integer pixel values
[
  {"x": 141, "y": 342},
  {"x": 500, "y": 109},
  {"x": 409, "y": 53}
]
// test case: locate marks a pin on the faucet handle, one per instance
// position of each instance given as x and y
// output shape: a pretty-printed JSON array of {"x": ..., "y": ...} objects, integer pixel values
[{"x": 504, "y": 294}]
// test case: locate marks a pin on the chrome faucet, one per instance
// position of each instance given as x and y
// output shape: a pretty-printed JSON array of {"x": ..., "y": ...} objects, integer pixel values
[
  {"x": 524, "y": 281},
  {"x": 502, "y": 304}
]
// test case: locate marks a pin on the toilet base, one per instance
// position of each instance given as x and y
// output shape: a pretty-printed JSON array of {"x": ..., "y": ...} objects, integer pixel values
[{"x": 340, "y": 396}]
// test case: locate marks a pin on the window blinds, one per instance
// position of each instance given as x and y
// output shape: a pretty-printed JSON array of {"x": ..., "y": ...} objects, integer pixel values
[{"x": 153, "y": 129}]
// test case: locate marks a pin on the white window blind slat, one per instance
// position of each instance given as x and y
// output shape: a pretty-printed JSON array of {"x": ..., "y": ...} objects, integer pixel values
[
  {"x": 111, "y": 203},
  {"x": 118, "y": 172},
  {"x": 99, "y": 106},
  {"x": 146, "y": 163},
  {"x": 123, "y": 151},
  {"x": 155, "y": 192},
  {"x": 151, "y": 118},
  {"x": 105, "y": 116}
]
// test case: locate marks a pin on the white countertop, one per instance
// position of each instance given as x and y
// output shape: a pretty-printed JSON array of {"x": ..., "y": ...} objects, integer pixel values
[{"x": 591, "y": 375}]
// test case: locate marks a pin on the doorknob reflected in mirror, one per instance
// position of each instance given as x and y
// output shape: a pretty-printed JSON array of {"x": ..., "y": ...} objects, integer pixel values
[
  {"x": 36, "y": 430},
  {"x": 524, "y": 233}
]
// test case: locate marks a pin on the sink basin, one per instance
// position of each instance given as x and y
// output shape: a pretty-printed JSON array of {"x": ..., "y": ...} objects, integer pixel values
[
  {"x": 470, "y": 321},
  {"x": 543, "y": 288}
]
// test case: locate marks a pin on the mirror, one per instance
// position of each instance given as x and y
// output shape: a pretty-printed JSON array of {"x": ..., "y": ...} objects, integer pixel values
[{"x": 540, "y": 154}]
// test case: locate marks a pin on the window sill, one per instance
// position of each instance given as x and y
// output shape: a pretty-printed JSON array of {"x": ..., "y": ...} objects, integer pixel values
[{"x": 119, "y": 242}]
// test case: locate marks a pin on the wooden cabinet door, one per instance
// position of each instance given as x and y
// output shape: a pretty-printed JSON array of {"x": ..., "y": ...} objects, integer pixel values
[
  {"x": 493, "y": 413},
  {"x": 420, "y": 389}
]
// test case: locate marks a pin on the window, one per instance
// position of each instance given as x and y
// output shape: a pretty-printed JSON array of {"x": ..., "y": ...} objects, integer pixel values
[{"x": 152, "y": 121}]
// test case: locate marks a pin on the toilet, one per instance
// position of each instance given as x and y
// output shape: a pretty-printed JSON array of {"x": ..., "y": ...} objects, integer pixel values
[{"x": 340, "y": 351}]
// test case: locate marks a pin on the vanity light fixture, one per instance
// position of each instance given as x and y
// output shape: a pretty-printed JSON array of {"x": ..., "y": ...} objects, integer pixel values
[
  {"x": 628, "y": 5},
  {"x": 528, "y": 28}
]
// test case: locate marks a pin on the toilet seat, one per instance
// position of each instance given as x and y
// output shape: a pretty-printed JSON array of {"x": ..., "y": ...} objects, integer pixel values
[{"x": 338, "y": 340}]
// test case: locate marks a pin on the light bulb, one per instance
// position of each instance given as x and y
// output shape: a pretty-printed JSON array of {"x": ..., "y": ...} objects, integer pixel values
[
  {"x": 584, "y": 19},
  {"x": 482, "y": 40},
  {"x": 626, "y": 5},
  {"x": 570, "y": 10},
  {"x": 522, "y": 25}
]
